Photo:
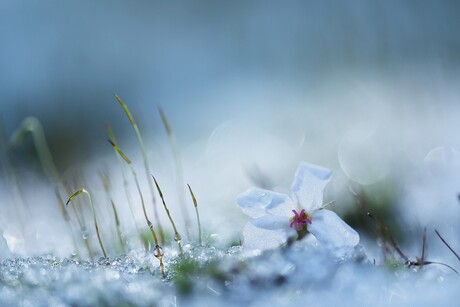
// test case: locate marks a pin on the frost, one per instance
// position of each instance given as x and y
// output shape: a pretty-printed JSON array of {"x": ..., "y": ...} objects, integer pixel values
[{"x": 306, "y": 271}]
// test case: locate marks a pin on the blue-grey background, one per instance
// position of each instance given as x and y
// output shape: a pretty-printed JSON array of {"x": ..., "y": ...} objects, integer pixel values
[{"x": 208, "y": 61}]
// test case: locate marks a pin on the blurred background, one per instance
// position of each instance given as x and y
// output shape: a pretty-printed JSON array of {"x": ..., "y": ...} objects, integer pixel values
[{"x": 369, "y": 89}]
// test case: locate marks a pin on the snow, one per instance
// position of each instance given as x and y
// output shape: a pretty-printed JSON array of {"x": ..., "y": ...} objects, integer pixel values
[{"x": 298, "y": 274}]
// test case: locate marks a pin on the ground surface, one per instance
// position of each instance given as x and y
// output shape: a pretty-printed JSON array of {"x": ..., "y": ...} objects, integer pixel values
[{"x": 299, "y": 274}]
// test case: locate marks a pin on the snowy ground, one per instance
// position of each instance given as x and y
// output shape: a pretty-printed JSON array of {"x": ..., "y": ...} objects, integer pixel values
[{"x": 299, "y": 274}]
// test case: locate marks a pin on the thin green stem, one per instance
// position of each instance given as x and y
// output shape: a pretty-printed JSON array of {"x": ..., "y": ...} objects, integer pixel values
[
  {"x": 93, "y": 213},
  {"x": 178, "y": 164},
  {"x": 146, "y": 164},
  {"x": 177, "y": 236},
  {"x": 118, "y": 227},
  {"x": 33, "y": 126},
  {"x": 80, "y": 220},
  {"x": 107, "y": 188},
  {"x": 159, "y": 251},
  {"x": 12, "y": 179},
  {"x": 113, "y": 140},
  {"x": 67, "y": 219},
  {"x": 159, "y": 254},
  {"x": 195, "y": 204}
]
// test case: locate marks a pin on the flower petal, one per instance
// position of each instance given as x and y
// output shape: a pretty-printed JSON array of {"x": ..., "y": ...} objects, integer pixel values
[
  {"x": 272, "y": 222},
  {"x": 308, "y": 186},
  {"x": 266, "y": 233},
  {"x": 257, "y": 202},
  {"x": 4, "y": 250},
  {"x": 331, "y": 230}
]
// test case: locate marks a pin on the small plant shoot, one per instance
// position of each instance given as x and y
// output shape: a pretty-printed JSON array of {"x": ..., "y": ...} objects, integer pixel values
[
  {"x": 146, "y": 163},
  {"x": 158, "y": 250},
  {"x": 178, "y": 165},
  {"x": 93, "y": 212},
  {"x": 124, "y": 159},
  {"x": 195, "y": 204},
  {"x": 177, "y": 236}
]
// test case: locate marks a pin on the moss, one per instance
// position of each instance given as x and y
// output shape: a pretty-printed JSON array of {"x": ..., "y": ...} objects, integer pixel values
[
  {"x": 392, "y": 265},
  {"x": 185, "y": 265},
  {"x": 183, "y": 272},
  {"x": 187, "y": 272},
  {"x": 215, "y": 272}
]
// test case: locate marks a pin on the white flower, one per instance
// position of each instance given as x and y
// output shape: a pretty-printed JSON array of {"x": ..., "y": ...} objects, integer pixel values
[{"x": 279, "y": 217}]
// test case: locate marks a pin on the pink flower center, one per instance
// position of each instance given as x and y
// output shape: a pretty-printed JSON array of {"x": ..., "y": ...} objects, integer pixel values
[{"x": 300, "y": 219}]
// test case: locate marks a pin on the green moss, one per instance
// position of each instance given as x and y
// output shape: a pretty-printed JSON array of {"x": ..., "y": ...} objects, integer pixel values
[
  {"x": 185, "y": 265},
  {"x": 183, "y": 284},
  {"x": 215, "y": 272},
  {"x": 393, "y": 265},
  {"x": 186, "y": 272},
  {"x": 183, "y": 271}
]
